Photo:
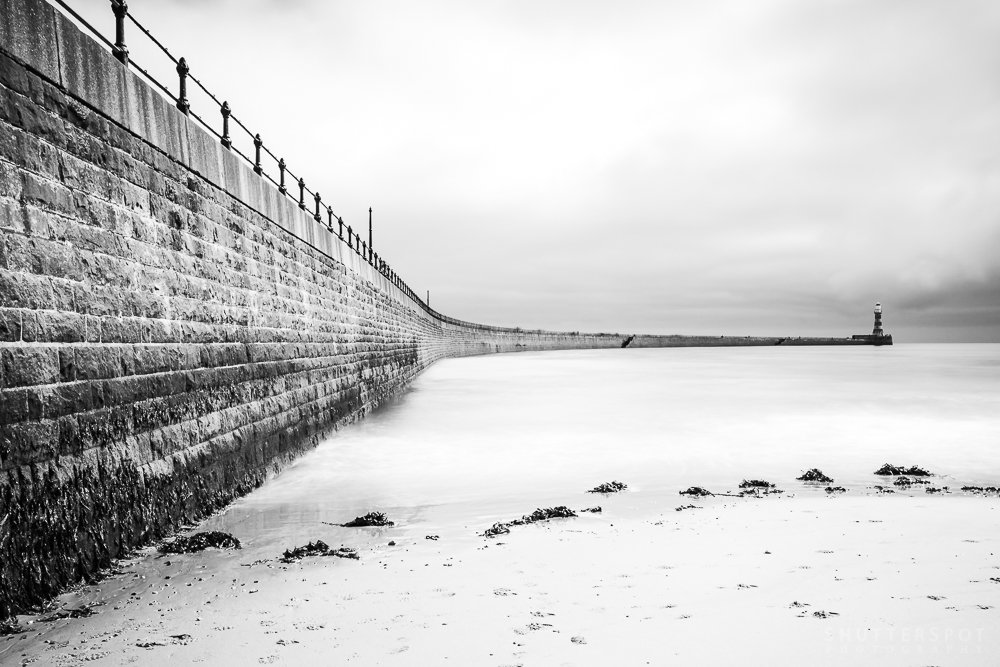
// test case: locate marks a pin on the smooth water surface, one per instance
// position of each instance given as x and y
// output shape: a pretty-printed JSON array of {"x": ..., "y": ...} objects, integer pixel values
[{"x": 506, "y": 433}]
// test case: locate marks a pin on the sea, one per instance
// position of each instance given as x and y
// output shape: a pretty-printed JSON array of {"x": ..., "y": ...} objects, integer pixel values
[{"x": 481, "y": 439}]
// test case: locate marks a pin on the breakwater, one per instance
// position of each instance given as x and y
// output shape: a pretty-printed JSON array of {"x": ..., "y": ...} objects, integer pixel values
[{"x": 173, "y": 327}]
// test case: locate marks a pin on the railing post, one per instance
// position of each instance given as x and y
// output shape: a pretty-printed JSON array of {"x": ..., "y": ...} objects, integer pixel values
[
  {"x": 340, "y": 227},
  {"x": 364, "y": 251},
  {"x": 257, "y": 143},
  {"x": 281, "y": 176},
  {"x": 182, "y": 100},
  {"x": 350, "y": 235},
  {"x": 302, "y": 193},
  {"x": 120, "y": 51},
  {"x": 317, "y": 217},
  {"x": 329, "y": 218},
  {"x": 226, "y": 110}
]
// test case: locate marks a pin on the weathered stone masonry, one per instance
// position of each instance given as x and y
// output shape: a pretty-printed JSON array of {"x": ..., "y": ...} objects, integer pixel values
[{"x": 171, "y": 327}]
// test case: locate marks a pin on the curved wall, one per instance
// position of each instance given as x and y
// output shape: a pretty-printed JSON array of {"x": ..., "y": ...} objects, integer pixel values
[{"x": 171, "y": 327}]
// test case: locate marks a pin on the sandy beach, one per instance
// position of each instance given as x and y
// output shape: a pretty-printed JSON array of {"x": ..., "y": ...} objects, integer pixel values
[{"x": 907, "y": 578}]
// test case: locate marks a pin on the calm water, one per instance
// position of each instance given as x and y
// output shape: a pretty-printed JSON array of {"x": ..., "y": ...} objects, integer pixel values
[{"x": 477, "y": 439}]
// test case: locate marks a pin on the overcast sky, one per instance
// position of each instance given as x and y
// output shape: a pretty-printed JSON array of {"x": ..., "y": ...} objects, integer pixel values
[{"x": 721, "y": 167}]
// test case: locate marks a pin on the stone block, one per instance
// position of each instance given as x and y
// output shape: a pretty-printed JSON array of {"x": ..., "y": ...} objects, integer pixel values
[
  {"x": 67, "y": 364},
  {"x": 67, "y": 399},
  {"x": 90, "y": 73},
  {"x": 13, "y": 74},
  {"x": 29, "y": 365},
  {"x": 10, "y": 324},
  {"x": 206, "y": 157},
  {"x": 29, "y": 442},
  {"x": 27, "y": 32},
  {"x": 13, "y": 406},
  {"x": 121, "y": 330},
  {"x": 20, "y": 290},
  {"x": 11, "y": 212},
  {"x": 98, "y": 362},
  {"x": 47, "y": 193},
  {"x": 59, "y": 327}
]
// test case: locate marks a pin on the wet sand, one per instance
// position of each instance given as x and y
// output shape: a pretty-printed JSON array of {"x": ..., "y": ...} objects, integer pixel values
[{"x": 802, "y": 577}]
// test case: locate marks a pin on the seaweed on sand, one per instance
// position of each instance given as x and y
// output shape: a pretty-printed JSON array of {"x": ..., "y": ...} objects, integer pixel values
[
  {"x": 981, "y": 489},
  {"x": 913, "y": 471},
  {"x": 499, "y": 528},
  {"x": 609, "y": 487},
  {"x": 82, "y": 611},
  {"x": 544, "y": 514},
  {"x": 696, "y": 491},
  {"x": 10, "y": 626},
  {"x": 755, "y": 484},
  {"x": 596, "y": 509},
  {"x": 814, "y": 475},
  {"x": 558, "y": 512},
  {"x": 317, "y": 548},
  {"x": 200, "y": 542},
  {"x": 370, "y": 519},
  {"x": 835, "y": 489},
  {"x": 906, "y": 481}
]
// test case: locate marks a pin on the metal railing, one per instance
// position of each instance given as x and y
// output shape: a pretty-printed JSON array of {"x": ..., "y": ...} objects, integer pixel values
[{"x": 346, "y": 233}]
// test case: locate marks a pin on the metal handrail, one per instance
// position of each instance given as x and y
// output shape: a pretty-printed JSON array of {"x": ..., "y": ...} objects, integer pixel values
[{"x": 120, "y": 51}]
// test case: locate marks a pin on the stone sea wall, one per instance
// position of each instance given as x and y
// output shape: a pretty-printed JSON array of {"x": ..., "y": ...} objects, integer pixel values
[{"x": 172, "y": 328}]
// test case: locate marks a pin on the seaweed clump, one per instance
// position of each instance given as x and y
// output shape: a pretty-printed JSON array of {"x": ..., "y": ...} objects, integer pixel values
[
  {"x": 558, "y": 512},
  {"x": 815, "y": 475},
  {"x": 370, "y": 519},
  {"x": 757, "y": 488},
  {"x": 755, "y": 484},
  {"x": 913, "y": 471},
  {"x": 596, "y": 509},
  {"x": 499, "y": 528},
  {"x": 906, "y": 481},
  {"x": 79, "y": 612},
  {"x": 696, "y": 491},
  {"x": 835, "y": 489},
  {"x": 981, "y": 489},
  {"x": 10, "y": 626},
  {"x": 317, "y": 548},
  {"x": 200, "y": 542},
  {"x": 609, "y": 487}
]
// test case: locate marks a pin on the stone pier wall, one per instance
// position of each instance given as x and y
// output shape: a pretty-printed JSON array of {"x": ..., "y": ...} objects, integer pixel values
[{"x": 172, "y": 328}]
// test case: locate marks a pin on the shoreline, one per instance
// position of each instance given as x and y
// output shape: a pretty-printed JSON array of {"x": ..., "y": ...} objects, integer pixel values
[{"x": 861, "y": 574}]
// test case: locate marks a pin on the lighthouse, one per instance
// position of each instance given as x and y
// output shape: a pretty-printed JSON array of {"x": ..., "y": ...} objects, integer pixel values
[{"x": 877, "y": 331}]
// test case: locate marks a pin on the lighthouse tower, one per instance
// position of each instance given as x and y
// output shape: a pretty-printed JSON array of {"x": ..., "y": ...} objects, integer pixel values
[{"x": 877, "y": 331}]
